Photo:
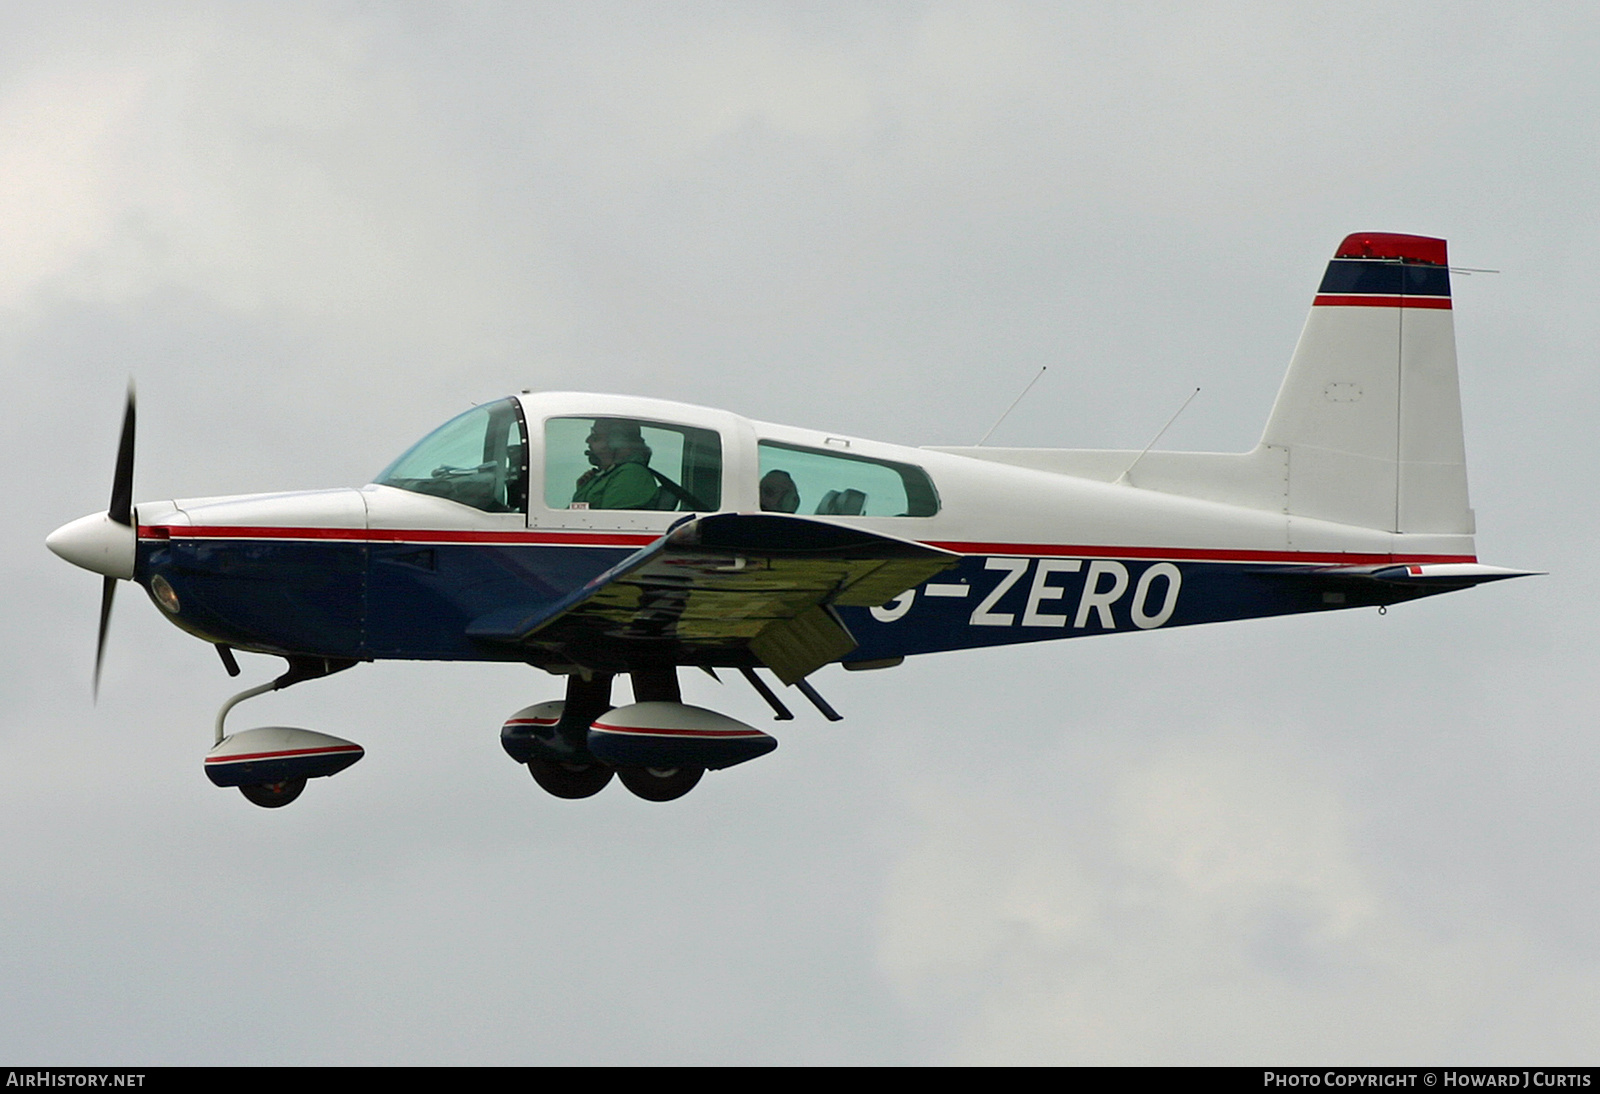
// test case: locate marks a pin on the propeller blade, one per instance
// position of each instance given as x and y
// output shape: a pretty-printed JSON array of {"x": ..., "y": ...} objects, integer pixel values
[
  {"x": 108, "y": 592},
  {"x": 121, "y": 508},
  {"x": 121, "y": 511}
]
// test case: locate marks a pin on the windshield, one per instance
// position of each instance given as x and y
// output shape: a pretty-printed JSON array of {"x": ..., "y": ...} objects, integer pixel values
[{"x": 479, "y": 458}]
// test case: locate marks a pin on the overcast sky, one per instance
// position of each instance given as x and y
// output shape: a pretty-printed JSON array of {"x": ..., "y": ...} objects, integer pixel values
[{"x": 312, "y": 232}]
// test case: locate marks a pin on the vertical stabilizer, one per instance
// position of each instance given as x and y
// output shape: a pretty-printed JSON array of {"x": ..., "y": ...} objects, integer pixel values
[{"x": 1370, "y": 412}]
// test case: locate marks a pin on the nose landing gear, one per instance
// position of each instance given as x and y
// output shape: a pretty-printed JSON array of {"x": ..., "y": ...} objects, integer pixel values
[
  {"x": 270, "y": 764},
  {"x": 273, "y": 795}
]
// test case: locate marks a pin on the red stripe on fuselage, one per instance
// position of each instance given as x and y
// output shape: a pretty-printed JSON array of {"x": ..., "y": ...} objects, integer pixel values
[
  {"x": 1332, "y": 300},
  {"x": 396, "y": 535},
  {"x": 626, "y": 539}
]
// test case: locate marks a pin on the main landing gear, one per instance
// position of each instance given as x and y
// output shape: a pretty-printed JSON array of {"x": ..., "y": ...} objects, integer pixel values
[
  {"x": 660, "y": 784},
  {"x": 566, "y": 779},
  {"x": 270, "y": 764},
  {"x": 658, "y": 747}
]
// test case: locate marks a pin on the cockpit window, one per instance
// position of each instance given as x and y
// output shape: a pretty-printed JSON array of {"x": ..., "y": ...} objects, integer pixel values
[
  {"x": 626, "y": 463},
  {"x": 836, "y": 484},
  {"x": 479, "y": 458}
]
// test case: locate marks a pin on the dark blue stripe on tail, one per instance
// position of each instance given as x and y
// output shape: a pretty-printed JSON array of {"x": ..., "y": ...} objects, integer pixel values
[{"x": 1365, "y": 275}]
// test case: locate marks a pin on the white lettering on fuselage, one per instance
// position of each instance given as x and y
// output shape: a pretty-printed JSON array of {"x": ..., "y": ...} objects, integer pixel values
[
  {"x": 1100, "y": 600},
  {"x": 1040, "y": 592},
  {"x": 1105, "y": 584},
  {"x": 1015, "y": 567},
  {"x": 896, "y": 608},
  {"x": 1142, "y": 616}
]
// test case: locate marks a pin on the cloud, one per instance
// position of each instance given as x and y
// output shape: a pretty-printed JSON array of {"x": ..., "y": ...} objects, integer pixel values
[
  {"x": 1223, "y": 914},
  {"x": 315, "y": 231},
  {"x": 268, "y": 165}
]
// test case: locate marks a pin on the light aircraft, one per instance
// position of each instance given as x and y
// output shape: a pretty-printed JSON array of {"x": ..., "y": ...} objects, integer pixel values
[{"x": 595, "y": 536}]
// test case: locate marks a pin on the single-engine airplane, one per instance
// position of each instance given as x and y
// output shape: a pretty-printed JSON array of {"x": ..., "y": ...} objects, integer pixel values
[{"x": 595, "y": 536}]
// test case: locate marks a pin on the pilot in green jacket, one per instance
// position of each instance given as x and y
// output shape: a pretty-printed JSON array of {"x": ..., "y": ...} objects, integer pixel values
[{"x": 621, "y": 477}]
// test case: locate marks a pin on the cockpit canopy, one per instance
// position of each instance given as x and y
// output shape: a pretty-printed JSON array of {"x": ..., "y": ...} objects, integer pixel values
[
  {"x": 479, "y": 458},
  {"x": 619, "y": 461}
]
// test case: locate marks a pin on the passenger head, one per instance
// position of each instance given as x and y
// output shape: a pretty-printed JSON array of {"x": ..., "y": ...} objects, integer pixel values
[{"x": 779, "y": 493}]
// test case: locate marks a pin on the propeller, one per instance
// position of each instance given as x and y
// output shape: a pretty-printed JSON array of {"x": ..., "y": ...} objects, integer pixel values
[
  {"x": 108, "y": 592},
  {"x": 120, "y": 511},
  {"x": 106, "y": 543}
]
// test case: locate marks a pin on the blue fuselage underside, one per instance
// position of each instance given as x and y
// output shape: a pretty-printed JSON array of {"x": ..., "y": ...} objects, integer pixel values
[{"x": 379, "y": 601}]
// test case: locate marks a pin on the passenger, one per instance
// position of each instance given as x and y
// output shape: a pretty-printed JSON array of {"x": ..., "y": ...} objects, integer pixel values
[
  {"x": 620, "y": 478},
  {"x": 779, "y": 493}
]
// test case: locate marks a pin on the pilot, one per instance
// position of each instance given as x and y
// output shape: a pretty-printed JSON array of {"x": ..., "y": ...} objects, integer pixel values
[
  {"x": 779, "y": 493},
  {"x": 620, "y": 478}
]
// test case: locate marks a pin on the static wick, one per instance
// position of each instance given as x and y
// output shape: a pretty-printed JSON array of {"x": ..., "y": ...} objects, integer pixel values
[
  {"x": 1124, "y": 476},
  {"x": 1013, "y": 405}
]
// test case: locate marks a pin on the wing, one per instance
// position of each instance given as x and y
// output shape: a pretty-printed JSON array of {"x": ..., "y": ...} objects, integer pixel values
[{"x": 725, "y": 589}]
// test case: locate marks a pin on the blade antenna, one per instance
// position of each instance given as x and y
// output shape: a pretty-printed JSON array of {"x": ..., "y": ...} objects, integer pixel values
[
  {"x": 1013, "y": 405},
  {"x": 1124, "y": 476}
]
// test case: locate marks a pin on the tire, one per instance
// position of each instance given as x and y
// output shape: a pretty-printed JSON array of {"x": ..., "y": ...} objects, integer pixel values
[
  {"x": 569, "y": 780},
  {"x": 273, "y": 795},
  {"x": 660, "y": 784}
]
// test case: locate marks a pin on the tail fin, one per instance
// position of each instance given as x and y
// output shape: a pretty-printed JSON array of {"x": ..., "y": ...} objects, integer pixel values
[
  {"x": 1367, "y": 427},
  {"x": 1370, "y": 412}
]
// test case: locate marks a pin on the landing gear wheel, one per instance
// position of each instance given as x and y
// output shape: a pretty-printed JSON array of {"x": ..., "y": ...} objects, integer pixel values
[
  {"x": 660, "y": 784},
  {"x": 274, "y": 795},
  {"x": 568, "y": 780}
]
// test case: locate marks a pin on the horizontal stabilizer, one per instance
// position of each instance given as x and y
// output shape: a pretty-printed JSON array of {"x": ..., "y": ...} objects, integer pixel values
[
  {"x": 1443, "y": 575},
  {"x": 1315, "y": 588}
]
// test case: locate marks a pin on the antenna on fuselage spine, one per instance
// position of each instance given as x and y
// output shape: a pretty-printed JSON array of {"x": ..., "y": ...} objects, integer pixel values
[
  {"x": 1013, "y": 405},
  {"x": 1124, "y": 476}
]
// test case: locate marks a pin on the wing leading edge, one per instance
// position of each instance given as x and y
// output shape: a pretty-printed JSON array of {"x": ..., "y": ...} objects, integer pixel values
[{"x": 726, "y": 588}]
